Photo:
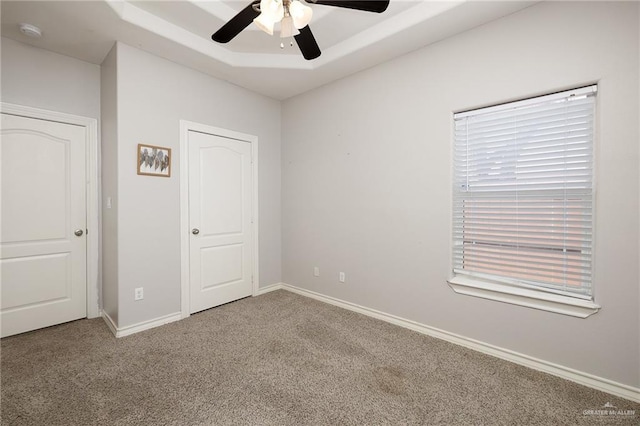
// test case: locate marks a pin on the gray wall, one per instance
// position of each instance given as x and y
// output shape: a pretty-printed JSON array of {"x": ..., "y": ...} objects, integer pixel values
[
  {"x": 109, "y": 138},
  {"x": 42, "y": 79},
  {"x": 366, "y": 173},
  {"x": 143, "y": 99},
  {"x": 367, "y": 180},
  {"x": 153, "y": 95}
]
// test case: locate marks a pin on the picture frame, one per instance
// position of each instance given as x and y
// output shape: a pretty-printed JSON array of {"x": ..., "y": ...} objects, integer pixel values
[{"x": 154, "y": 160}]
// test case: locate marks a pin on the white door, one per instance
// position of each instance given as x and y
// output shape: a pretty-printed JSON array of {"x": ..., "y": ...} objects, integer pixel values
[
  {"x": 42, "y": 243},
  {"x": 220, "y": 249}
]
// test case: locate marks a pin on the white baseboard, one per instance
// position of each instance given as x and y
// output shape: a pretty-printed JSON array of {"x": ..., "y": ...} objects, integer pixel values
[
  {"x": 145, "y": 325},
  {"x": 586, "y": 379},
  {"x": 269, "y": 288},
  {"x": 141, "y": 326},
  {"x": 109, "y": 321}
]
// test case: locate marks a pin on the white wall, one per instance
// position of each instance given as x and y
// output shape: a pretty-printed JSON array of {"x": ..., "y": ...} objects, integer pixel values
[
  {"x": 109, "y": 139},
  {"x": 367, "y": 180},
  {"x": 153, "y": 95},
  {"x": 38, "y": 78}
]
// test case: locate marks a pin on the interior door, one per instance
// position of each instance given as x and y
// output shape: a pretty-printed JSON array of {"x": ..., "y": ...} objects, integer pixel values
[
  {"x": 220, "y": 250},
  {"x": 42, "y": 240}
]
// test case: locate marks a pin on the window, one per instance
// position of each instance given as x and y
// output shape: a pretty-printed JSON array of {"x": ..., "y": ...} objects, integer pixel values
[{"x": 523, "y": 200}]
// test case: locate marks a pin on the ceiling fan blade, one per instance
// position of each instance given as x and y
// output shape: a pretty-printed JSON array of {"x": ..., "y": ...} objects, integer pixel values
[
  {"x": 236, "y": 24},
  {"x": 377, "y": 6},
  {"x": 307, "y": 43}
]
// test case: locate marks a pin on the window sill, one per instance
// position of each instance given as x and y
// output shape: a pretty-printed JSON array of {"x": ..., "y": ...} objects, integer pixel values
[{"x": 523, "y": 297}]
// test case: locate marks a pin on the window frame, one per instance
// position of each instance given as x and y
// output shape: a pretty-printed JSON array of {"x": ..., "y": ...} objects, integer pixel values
[{"x": 537, "y": 297}]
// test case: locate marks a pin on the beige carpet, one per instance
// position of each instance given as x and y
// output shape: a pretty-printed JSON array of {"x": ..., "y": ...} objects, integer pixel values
[{"x": 277, "y": 359}]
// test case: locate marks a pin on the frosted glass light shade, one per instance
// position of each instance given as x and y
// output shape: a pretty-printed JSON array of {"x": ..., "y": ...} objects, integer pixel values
[
  {"x": 300, "y": 13},
  {"x": 287, "y": 28},
  {"x": 264, "y": 23},
  {"x": 273, "y": 9}
]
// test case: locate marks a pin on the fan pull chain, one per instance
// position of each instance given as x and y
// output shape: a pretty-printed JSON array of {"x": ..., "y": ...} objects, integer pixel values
[{"x": 290, "y": 44}]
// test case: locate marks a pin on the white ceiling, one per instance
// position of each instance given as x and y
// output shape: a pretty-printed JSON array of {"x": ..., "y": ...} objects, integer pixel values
[{"x": 181, "y": 31}]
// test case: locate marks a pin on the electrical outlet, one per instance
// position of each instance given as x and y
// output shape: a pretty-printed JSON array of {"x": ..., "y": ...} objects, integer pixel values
[
  {"x": 316, "y": 271},
  {"x": 139, "y": 294},
  {"x": 341, "y": 277}
]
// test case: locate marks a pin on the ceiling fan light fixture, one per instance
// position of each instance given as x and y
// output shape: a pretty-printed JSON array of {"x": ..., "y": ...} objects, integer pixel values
[
  {"x": 266, "y": 13},
  {"x": 287, "y": 28},
  {"x": 300, "y": 13}
]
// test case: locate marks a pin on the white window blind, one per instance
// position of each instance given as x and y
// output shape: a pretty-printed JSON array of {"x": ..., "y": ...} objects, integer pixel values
[{"x": 523, "y": 193}]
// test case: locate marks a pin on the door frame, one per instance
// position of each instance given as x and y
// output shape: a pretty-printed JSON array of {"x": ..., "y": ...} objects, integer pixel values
[
  {"x": 92, "y": 164},
  {"x": 185, "y": 128}
]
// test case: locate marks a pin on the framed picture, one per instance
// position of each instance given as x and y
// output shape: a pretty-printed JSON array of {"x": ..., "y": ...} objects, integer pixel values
[{"x": 154, "y": 160}]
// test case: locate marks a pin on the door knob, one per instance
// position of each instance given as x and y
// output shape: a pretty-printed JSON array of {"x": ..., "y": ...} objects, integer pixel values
[
  {"x": 79, "y": 232},
  {"x": 195, "y": 231}
]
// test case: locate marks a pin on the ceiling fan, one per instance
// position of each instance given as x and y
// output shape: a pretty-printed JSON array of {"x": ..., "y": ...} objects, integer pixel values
[{"x": 294, "y": 18}]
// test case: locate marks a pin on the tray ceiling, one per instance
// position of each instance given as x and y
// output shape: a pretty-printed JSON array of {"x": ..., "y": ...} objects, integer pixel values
[{"x": 180, "y": 31}]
